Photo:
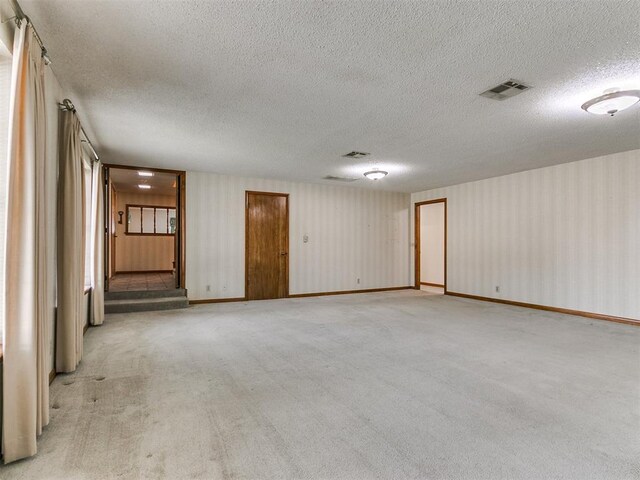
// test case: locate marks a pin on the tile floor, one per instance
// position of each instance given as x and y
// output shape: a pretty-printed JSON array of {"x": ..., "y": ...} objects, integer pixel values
[
  {"x": 141, "y": 281},
  {"x": 432, "y": 290}
]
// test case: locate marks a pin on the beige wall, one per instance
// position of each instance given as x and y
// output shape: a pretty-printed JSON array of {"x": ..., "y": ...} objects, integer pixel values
[
  {"x": 140, "y": 253},
  {"x": 353, "y": 233},
  {"x": 432, "y": 243},
  {"x": 566, "y": 236}
]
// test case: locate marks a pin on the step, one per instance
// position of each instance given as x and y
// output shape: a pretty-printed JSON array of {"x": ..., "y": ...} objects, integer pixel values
[
  {"x": 145, "y": 304},
  {"x": 137, "y": 294}
]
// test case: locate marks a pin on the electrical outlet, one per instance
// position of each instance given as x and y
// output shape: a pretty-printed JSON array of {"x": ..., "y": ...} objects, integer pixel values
[
  {"x": 305, "y": 239},
  {"x": 358, "y": 281},
  {"x": 208, "y": 288},
  {"x": 497, "y": 289}
]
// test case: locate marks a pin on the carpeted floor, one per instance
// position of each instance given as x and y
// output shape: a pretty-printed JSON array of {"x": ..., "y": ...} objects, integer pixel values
[{"x": 392, "y": 385}]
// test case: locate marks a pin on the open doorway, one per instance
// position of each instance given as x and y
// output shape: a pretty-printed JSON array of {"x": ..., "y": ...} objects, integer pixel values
[
  {"x": 144, "y": 247},
  {"x": 431, "y": 246}
]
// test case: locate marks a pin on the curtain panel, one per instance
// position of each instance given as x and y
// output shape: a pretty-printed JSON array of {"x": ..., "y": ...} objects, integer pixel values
[
  {"x": 70, "y": 319},
  {"x": 25, "y": 336},
  {"x": 97, "y": 231}
]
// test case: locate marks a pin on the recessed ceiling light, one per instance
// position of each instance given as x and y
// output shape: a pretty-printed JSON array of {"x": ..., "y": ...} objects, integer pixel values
[
  {"x": 145, "y": 174},
  {"x": 146, "y": 187},
  {"x": 375, "y": 174},
  {"x": 612, "y": 102}
]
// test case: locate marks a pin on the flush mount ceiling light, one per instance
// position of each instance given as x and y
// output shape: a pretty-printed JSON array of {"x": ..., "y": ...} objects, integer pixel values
[
  {"x": 145, "y": 174},
  {"x": 146, "y": 187},
  {"x": 375, "y": 174},
  {"x": 612, "y": 102}
]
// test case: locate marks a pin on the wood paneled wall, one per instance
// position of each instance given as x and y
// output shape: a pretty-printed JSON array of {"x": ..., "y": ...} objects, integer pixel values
[
  {"x": 353, "y": 233},
  {"x": 565, "y": 236},
  {"x": 142, "y": 253}
]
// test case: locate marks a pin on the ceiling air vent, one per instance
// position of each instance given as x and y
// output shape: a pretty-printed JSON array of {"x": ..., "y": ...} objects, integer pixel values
[
  {"x": 505, "y": 90},
  {"x": 355, "y": 155},
  {"x": 339, "y": 179}
]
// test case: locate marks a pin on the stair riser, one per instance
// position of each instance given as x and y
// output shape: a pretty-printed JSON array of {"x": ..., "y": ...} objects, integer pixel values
[
  {"x": 145, "y": 307},
  {"x": 138, "y": 294}
]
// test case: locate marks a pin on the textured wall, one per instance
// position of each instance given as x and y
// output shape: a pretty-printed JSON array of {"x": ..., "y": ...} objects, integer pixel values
[
  {"x": 136, "y": 252},
  {"x": 353, "y": 233},
  {"x": 564, "y": 236},
  {"x": 432, "y": 239}
]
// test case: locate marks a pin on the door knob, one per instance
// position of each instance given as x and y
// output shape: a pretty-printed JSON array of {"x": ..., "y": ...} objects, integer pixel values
[{"x": 283, "y": 253}]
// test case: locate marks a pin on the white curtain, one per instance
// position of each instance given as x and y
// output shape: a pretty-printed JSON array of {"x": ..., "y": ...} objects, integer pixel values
[
  {"x": 97, "y": 243},
  {"x": 25, "y": 335},
  {"x": 70, "y": 320}
]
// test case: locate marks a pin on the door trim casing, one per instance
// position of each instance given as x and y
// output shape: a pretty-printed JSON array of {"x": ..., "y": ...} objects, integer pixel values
[
  {"x": 246, "y": 238},
  {"x": 181, "y": 209},
  {"x": 416, "y": 228}
]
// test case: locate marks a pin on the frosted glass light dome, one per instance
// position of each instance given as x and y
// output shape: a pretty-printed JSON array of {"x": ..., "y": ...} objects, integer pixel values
[
  {"x": 612, "y": 102},
  {"x": 375, "y": 174}
]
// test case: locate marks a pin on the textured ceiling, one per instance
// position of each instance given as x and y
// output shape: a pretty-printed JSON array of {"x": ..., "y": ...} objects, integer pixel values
[
  {"x": 283, "y": 89},
  {"x": 125, "y": 180}
]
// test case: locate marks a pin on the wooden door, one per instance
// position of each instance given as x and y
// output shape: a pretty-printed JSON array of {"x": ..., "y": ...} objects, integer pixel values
[{"x": 266, "y": 245}]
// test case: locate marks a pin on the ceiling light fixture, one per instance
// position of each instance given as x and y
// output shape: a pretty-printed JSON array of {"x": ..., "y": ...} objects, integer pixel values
[
  {"x": 146, "y": 187},
  {"x": 375, "y": 174},
  {"x": 612, "y": 101},
  {"x": 145, "y": 174}
]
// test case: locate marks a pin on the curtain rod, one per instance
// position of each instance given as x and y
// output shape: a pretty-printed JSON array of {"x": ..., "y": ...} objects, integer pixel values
[
  {"x": 22, "y": 17},
  {"x": 67, "y": 106},
  {"x": 66, "y": 103}
]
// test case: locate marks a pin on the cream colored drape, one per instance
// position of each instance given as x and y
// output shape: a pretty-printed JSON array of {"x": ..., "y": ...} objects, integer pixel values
[
  {"x": 71, "y": 318},
  {"x": 97, "y": 229},
  {"x": 25, "y": 338}
]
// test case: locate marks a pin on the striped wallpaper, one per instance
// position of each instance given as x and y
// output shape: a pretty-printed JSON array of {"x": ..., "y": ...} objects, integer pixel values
[
  {"x": 353, "y": 233},
  {"x": 564, "y": 236}
]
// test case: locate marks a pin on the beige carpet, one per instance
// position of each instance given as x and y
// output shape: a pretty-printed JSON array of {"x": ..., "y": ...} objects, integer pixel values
[{"x": 392, "y": 385}]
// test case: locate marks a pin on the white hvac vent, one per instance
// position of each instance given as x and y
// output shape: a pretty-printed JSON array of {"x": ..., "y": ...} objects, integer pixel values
[
  {"x": 355, "y": 155},
  {"x": 339, "y": 179},
  {"x": 505, "y": 90}
]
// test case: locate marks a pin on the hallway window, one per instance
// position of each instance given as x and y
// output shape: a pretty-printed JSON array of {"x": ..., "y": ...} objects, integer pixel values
[{"x": 150, "y": 220}]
